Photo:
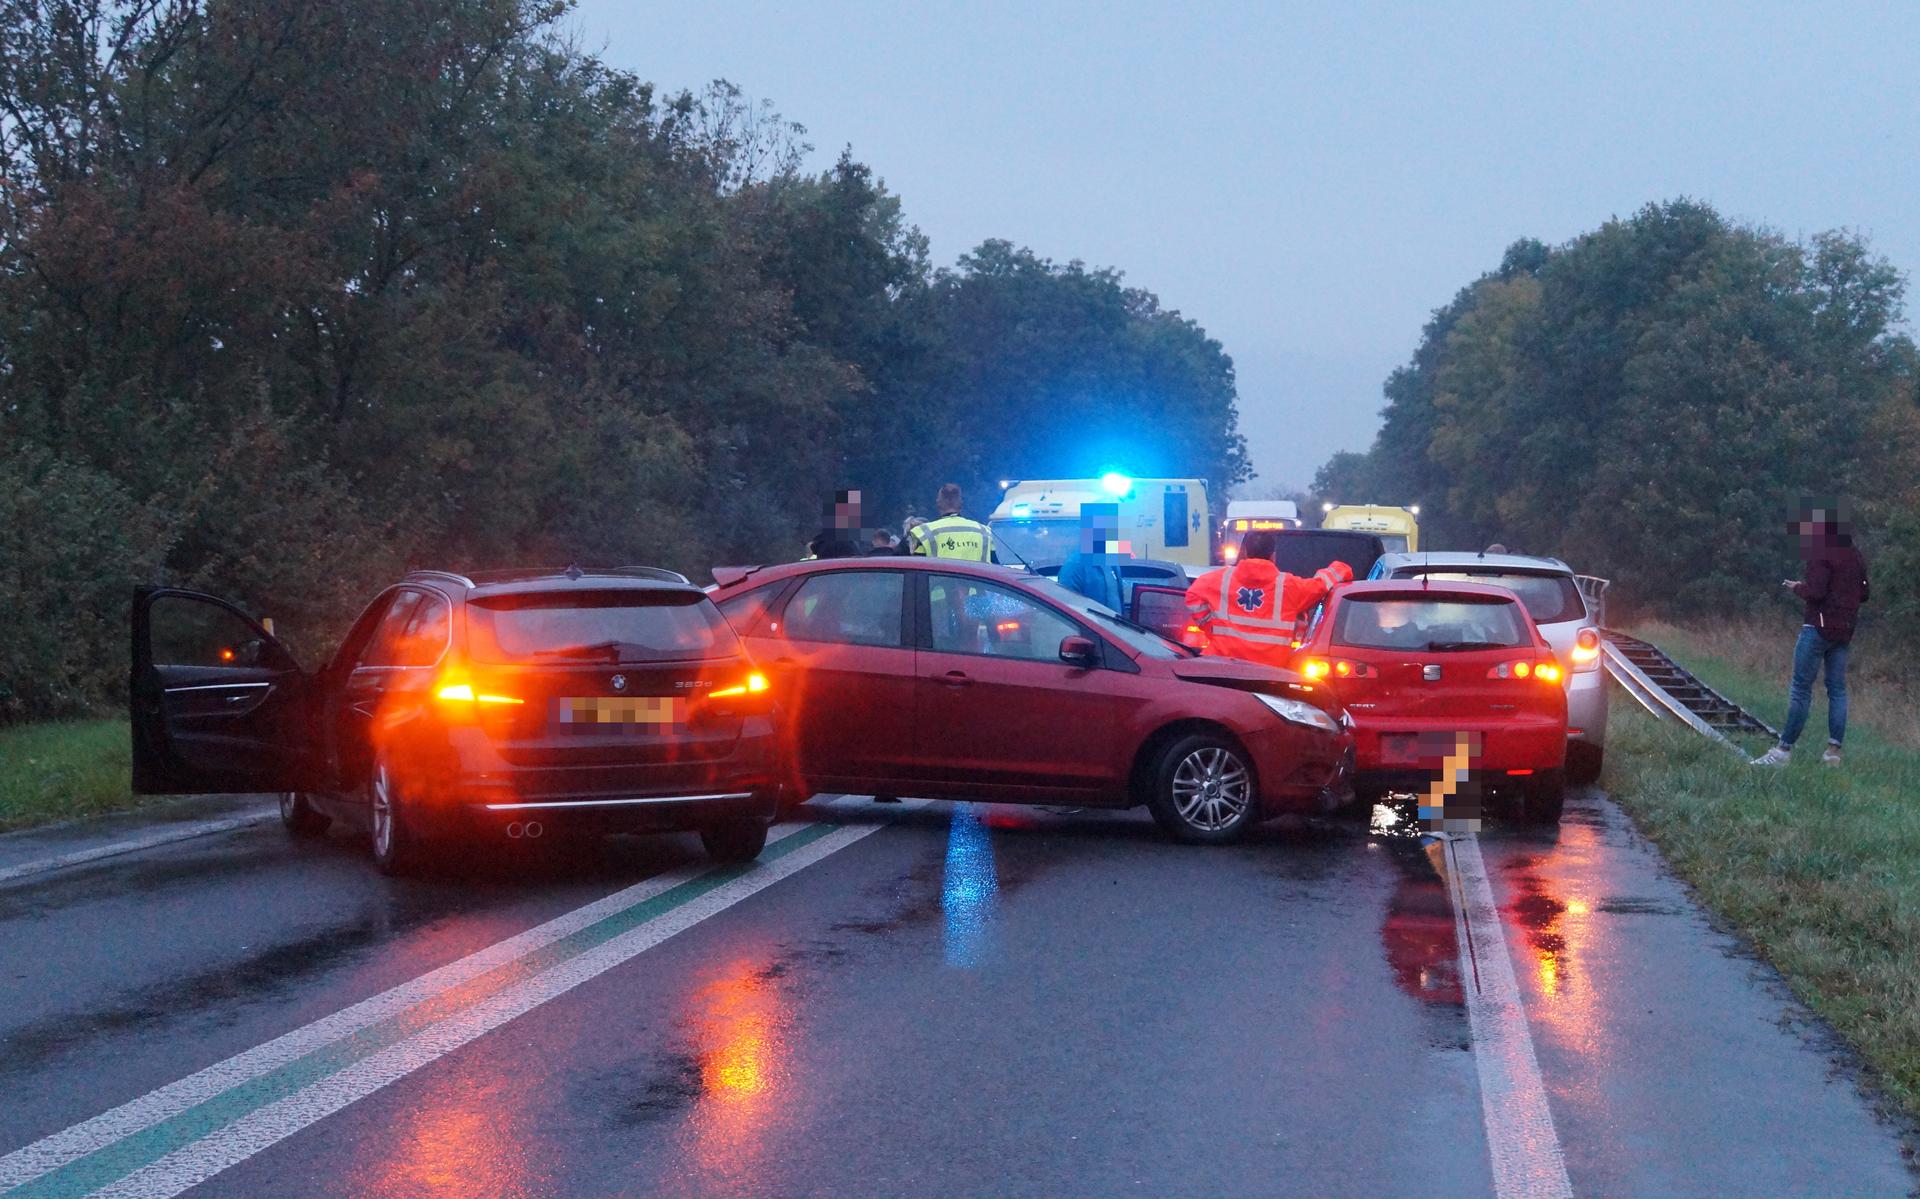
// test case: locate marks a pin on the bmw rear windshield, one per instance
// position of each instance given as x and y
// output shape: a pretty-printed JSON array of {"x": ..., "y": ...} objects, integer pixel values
[
  {"x": 623, "y": 626},
  {"x": 1550, "y": 598}
]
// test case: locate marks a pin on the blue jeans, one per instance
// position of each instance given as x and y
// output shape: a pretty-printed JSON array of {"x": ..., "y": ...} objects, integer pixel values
[{"x": 1808, "y": 654}]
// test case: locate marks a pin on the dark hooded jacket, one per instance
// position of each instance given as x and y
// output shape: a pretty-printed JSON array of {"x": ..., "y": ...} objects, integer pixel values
[{"x": 1835, "y": 585}]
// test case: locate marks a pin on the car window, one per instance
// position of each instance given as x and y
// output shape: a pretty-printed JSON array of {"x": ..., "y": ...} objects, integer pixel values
[
  {"x": 1141, "y": 640},
  {"x": 597, "y": 626},
  {"x": 1304, "y": 551},
  {"x": 847, "y": 607},
  {"x": 189, "y": 632},
  {"x": 1438, "y": 624},
  {"x": 384, "y": 648},
  {"x": 746, "y": 611},
  {"x": 972, "y": 617},
  {"x": 1162, "y": 609},
  {"x": 425, "y": 638},
  {"x": 1550, "y": 598}
]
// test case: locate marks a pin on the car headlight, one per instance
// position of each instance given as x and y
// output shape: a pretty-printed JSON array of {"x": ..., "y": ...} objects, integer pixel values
[{"x": 1298, "y": 712}]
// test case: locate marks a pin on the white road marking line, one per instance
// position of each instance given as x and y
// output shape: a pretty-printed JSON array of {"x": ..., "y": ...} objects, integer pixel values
[
  {"x": 195, "y": 1163},
  {"x": 52, "y": 1152},
  {"x": 167, "y": 836},
  {"x": 1527, "y": 1161}
]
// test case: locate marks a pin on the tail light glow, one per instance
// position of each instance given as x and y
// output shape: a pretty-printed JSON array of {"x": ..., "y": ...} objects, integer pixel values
[
  {"x": 1586, "y": 650},
  {"x": 1316, "y": 668},
  {"x": 1546, "y": 672},
  {"x": 464, "y": 693},
  {"x": 754, "y": 684}
]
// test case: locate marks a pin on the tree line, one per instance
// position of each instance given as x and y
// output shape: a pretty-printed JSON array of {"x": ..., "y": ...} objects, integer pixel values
[
  {"x": 1652, "y": 401},
  {"x": 295, "y": 296}
]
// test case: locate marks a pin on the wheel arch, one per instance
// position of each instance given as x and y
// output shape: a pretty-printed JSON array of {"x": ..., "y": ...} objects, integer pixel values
[{"x": 1140, "y": 773}]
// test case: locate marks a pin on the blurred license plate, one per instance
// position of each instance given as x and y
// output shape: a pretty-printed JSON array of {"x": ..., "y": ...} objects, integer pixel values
[
  {"x": 1399, "y": 749},
  {"x": 1420, "y": 749},
  {"x": 600, "y": 710}
]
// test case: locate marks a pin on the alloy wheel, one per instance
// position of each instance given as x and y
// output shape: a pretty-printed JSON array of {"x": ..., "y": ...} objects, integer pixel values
[
  {"x": 382, "y": 811},
  {"x": 1211, "y": 789}
]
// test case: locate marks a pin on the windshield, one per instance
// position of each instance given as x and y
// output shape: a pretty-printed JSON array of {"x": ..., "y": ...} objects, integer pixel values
[
  {"x": 1304, "y": 551},
  {"x": 1441, "y": 624},
  {"x": 1040, "y": 542},
  {"x": 1134, "y": 637},
  {"x": 1396, "y": 543},
  {"x": 1550, "y": 598},
  {"x": 597, "y": 626}
]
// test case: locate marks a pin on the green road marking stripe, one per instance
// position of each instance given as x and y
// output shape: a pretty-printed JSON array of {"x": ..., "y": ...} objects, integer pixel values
[{"x": 112, "y": 1162}]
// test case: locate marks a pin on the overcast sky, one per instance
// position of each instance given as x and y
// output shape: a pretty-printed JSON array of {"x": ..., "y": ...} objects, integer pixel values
[{"x": 1310, "y": 182}]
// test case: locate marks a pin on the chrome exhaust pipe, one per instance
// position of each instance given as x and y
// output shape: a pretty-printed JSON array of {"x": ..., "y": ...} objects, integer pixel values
[
  {"x": 533, "y": 829},
  {"x": 514, "y": 831}
]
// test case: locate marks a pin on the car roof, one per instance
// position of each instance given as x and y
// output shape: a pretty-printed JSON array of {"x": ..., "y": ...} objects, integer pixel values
[
  {"x": 740, "y": 575},
  {"x": 1452, "y": 558},
  {"x": 535, "y": 580},
  {"x": 1343, "y": 534},
  {"x": 1415, "y": 589}
]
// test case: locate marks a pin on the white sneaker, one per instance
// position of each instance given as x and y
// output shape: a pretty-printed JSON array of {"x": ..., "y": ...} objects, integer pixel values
[
  {"x": 1777, "y": 756},
  {"x": 1832, "y": 756}
]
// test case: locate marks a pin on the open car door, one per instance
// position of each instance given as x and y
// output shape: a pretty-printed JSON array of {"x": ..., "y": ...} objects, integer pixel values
[
  {"x": 217, "y": 704},
  {"x": 1164, "y": 610}
]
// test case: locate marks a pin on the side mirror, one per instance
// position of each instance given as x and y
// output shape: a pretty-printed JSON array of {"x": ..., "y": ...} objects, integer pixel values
[{"x": 1078, "y": 651}]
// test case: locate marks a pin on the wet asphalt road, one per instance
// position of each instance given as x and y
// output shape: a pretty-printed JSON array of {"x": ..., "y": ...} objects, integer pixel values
[{"x": 967, "y": 1001}]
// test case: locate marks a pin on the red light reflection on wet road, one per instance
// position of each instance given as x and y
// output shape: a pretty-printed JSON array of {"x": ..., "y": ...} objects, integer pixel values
[
  {"x": 741, "y": 1024},
  {"x": 471, "y": 1148}
]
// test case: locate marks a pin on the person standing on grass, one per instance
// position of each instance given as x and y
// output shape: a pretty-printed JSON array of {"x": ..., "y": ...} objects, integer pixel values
[{"x": 1834, "y": 588}]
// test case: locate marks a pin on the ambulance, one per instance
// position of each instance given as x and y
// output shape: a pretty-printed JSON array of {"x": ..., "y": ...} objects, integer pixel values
[
  {"x": 1399, "y": 528},
  {"x": 1167, "y": 520}
]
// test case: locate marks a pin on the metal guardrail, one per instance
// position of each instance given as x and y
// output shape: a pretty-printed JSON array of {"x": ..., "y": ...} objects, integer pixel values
[
  {"x": 1593, "y": 589},
  {"x": 1671, "y": 692}
]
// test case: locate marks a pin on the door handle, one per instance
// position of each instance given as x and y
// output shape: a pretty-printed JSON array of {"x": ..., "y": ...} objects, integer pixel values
[{"x": 954, "y": 678}]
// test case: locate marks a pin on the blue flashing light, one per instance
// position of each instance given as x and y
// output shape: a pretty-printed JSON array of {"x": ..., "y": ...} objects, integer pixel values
[{"x": 1115, "y": 483}]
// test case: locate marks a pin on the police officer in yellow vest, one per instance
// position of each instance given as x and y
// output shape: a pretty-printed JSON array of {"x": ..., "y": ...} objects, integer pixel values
[{"x": 951, "y": 535}]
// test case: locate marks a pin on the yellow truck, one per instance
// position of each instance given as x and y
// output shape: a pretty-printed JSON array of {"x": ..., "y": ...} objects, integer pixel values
[{"x": 1399, "y": 528}]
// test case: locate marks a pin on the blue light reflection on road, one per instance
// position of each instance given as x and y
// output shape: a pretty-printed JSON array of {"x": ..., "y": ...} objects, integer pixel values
[{"x": 967, "y": 896}]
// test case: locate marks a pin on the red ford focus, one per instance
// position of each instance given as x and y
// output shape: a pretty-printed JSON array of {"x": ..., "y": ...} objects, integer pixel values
[
  {"x": 1422, "y": 669},
  {"x": 909, "y": 676}
]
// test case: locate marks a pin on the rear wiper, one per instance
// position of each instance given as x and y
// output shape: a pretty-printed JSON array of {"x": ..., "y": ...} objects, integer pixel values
[
  {"x": 607, "y": 650},
  {"x": 1460, "y": 645}
]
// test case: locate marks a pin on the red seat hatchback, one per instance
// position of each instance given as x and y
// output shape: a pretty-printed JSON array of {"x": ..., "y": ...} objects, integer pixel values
[
  {"x": 500, "y": 706},
  {"x": 1417, "y": 665},
  {"x": 907, "y": 676}
]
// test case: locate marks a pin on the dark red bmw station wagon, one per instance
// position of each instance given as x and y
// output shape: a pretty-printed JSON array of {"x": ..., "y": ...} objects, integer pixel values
[
  {"x": 500, "y": 706},
  {"x": 948, "y": 680}
]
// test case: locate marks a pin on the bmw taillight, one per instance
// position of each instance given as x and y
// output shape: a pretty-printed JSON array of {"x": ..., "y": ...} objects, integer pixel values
[
  {"x": 1586, "y": 650},
  {"x": 460, "y": 700},
  {"x": 750, "y": 695}
]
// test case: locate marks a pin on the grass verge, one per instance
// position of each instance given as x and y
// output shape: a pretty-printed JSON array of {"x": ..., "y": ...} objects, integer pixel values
[
  {"x": 58, "y": 771},
  {"x": 1819, "y": 868}
]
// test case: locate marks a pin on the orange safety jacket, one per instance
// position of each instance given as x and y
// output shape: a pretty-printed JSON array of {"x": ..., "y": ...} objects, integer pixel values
[{"x": 1255, "y": 611}]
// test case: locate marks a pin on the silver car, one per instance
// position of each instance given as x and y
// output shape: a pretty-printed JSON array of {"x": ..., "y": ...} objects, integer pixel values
[{"x": 1546, "y": 586}]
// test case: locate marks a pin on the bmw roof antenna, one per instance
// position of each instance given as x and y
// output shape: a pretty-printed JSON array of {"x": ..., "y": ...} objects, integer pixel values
[{"x": 573, "y": 570}]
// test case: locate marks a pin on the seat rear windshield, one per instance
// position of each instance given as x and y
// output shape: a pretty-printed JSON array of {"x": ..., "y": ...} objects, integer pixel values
[
  {"x": 597, "y": 626},
  {"x": 1550, "y": 598},
  {"x": 1441, "y": 624}
]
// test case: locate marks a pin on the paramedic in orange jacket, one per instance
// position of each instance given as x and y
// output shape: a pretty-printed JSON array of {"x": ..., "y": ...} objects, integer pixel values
[{"x": 1250, "y": 610}]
